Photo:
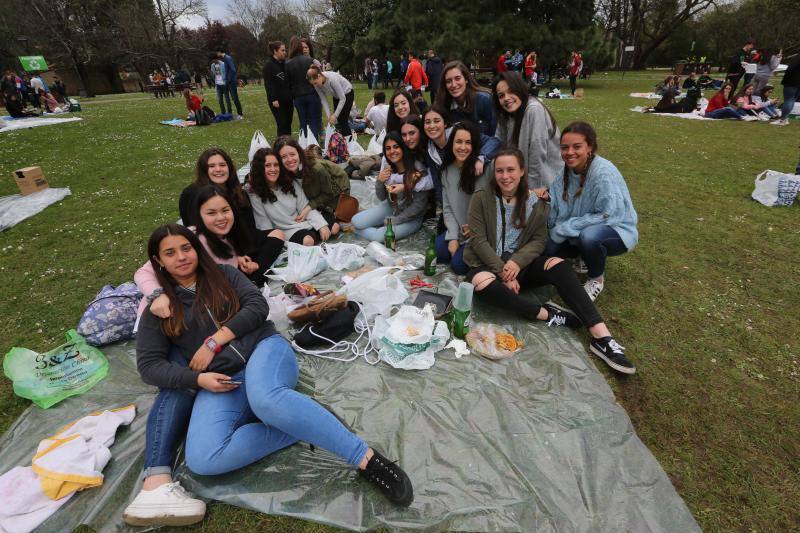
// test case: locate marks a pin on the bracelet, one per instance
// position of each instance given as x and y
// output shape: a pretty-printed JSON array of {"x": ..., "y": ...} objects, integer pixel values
[{"x": 155, "y": 294}]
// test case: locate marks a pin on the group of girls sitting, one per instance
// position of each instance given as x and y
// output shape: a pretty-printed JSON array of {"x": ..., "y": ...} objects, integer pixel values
[
  {"x": 514, "y": 205},
  {"x": 744, "y": 105}
]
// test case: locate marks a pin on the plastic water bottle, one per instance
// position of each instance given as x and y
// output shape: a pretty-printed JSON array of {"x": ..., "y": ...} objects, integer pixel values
[
  {"x": 462, "y": 308},
  {"x": 381, "y": 254}
]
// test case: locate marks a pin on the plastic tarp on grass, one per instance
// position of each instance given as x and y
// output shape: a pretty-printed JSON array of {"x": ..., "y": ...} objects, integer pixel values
[
  {"x": 33, "y": 122},
  {"x": 16, "y": 208},
  {"x": 536, "y": 442}
]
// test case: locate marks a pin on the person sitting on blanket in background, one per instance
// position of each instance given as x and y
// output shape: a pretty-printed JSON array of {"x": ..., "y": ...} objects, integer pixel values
[
  {"x": 218, "y": 344},
  {"x": 705, "y": 81},
  {"x": 280, "y": 203},
  {"x": 671, "y": 84},
  {"x": 15, "y": 107},
  {"x": 746, "y": 104},
  {"x": 225, "y": 239},
  {"x": 322, "y": 180},
  {"x": 719, "y": 105},
  {"x": 404, "y": 189},
  {"x": 193, "y": 103},
  {"x": 459, "y": 183},
  {"x": 667, "y": 104},
  {"x": 505, "y": 255},
  {"x": 591, "y": 213},
  {"x": 770, "y": 104}
]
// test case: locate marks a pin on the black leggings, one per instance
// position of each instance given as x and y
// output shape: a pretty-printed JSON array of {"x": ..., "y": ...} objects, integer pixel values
[
  {"x": 343, "y": 120},
  {"x": 559, "y": 275},
  {"x": 298, "y": 236},
  {"x": 266, "y": 251}
]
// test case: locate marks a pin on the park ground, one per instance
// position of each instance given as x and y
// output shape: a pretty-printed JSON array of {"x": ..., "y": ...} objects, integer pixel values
[{"x": 706, "y": 304}]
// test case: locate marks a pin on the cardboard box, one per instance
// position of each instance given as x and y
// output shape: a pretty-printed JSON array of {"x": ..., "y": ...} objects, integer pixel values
[{"x": 30, "y": 180}]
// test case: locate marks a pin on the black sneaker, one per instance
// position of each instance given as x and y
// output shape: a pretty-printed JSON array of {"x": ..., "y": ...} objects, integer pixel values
[
  {"x": 607, "y": 349},
  {"x": 558, "y": 316},
  {"x": 390, "y": 479}
]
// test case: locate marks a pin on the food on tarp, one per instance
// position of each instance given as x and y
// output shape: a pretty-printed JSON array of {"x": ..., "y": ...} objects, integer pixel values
[{"x": 493, "y": 342}]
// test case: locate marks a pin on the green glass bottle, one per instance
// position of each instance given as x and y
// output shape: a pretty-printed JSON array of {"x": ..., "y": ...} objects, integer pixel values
[
  {"x": 430, "y": 257},
  {"x": 388, "y": 237},
  {"x": 462, "y": 308}
]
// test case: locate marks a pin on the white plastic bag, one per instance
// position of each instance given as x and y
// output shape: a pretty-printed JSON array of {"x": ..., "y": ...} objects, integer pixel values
[
  {"x": 302, "y": 140},
  {"x": 375, "y": 146},
  {"x": 303, "y": 263},
  {"x": 354, "y": 147},
  {"x": 329, "y": 130},
  {"x": 342, "y": 255},
  {"x": 256, "y": 143},
  {"x": 409, "y": 339},
  {"x": 774, "y": 189},
  {"x": 311, "y": 140},
  {"x": 377, "y": 291}
]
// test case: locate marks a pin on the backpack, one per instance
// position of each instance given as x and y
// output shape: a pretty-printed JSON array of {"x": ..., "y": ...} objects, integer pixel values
[
  {"x": 204, "y": 116},
  {"x": 337, "y": 148},
  {"x": 111, "y": 316}
]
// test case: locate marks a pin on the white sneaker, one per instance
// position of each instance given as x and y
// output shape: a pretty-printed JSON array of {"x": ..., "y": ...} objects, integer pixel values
[
  {"x": 167, "y": 505},
  {"x": 594, "y": 287},
  {"x": 780, "y": 122}
]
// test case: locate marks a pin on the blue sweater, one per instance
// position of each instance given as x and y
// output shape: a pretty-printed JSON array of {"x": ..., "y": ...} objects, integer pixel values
[
  {"x": 482, "y": 113},
  {"x": 605, "y": 200}
]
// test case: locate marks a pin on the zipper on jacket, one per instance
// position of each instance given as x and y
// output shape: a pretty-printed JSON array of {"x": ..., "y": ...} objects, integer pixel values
[{"x": 230, "y": 343}]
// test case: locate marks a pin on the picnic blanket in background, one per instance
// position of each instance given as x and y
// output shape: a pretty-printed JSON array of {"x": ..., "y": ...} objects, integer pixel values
[
  {"x": 697, "y": 115},
  {"x": 180, "y": 123},
  {"x": 32, "y": 122},
  {"x": 16, "y": 208},
  {"x": 530, "y": 443},
  {"x": 651, "y": 95}
]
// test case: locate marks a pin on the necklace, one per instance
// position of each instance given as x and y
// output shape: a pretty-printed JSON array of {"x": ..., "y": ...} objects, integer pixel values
[{"x": 508, "y": 199}]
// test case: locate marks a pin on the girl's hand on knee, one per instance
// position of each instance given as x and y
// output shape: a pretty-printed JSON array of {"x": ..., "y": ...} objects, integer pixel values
[{"x": 213, "y": 382}]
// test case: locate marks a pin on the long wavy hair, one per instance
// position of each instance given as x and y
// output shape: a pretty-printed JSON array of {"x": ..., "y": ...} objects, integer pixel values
[
  {"x": 231, "y": 186},
  {"x": 238, "y": 242},
  {"x": 409, "y": 181},
  {"x": 443, "y": 96},
  {"x": 518, "y": 218},
  {"x": 214, "y": 291},
  {"x": 587, "y": 131},
  {"x": 392, "y": 120},
  {"x": 518, "y": 87},
  {"x": 422, "y": 148},
  {"x": 303, "y": 174},
  {"x": 258, "y": 178},
  {"x": 467, "y": 181}
]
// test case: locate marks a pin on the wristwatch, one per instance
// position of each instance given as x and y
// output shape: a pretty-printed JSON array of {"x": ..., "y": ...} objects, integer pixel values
[{"x": 213, "y": 345}]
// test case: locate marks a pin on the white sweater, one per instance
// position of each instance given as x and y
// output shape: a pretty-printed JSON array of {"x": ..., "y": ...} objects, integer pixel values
[
  {"x": 337, "y": 86},
  {"x": 280, "y": 214}
]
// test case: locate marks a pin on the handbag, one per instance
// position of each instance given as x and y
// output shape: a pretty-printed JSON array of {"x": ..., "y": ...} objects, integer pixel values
[
  {"x": 346, "y": 207},
  {"x": 110, "y": 317}
]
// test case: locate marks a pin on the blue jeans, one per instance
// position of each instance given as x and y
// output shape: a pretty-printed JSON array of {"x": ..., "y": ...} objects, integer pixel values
[
  {"x": 594, "y": 244},
  {"x": 725, "y": 112},
  {"x": 770, "y": 110},
  {"x": 790, "y": 94},
  {"x": 223, "y": 90},
  {"x": 264, "y": 414},
  {"x": 233, "y": 88},
  {"x": 167, "y": 423},
  {"x": 370, "y": 223},
  {"x": 309, "y": 110},
  {"x": 443, "y": 255}
]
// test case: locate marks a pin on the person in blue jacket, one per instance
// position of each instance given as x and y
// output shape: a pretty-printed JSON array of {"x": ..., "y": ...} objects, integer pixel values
[
  {"x": 464, "y": 99},
  {"x": 591, "y": 213},
  {"x": 230, "y": 80}
]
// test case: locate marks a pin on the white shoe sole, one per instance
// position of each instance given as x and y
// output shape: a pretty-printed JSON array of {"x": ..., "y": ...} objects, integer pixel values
[
  {"x": 615, "y": 366},
  {"x": 164, "y": 519}
]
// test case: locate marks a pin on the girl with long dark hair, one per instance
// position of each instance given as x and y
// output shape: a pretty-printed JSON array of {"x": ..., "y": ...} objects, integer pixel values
[
  {"x": 304, "y": 96},
  {"x": 401, "y": 105},
  {"x": 591, "y": 211},
  {"x": 459, "y": 183},
  {"x": 219, "y": 343},
  {"x": 404, "y": 188},
  {"x": 525, "y": 123},
  {"x": 719, "y": 106},
  {"x": 465, "y": 99},
  {"x": 505, "y": 256},
  {"x": 214, "y": 167}
]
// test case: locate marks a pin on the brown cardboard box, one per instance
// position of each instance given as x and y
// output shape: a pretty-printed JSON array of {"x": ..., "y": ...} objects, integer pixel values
[{"x": 30, "y": 180}]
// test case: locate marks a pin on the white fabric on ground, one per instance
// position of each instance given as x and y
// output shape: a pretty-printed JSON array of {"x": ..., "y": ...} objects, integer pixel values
[
  {"x": 34, "y": 122},
  {"x": 16, "y": 208}
]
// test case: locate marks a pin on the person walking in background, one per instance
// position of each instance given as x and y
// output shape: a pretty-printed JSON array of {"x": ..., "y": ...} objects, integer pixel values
[
  {"x": 389, "y": 71},
  {"x": 736, "y": 67},
  {"x": 516, "y": 61},
  {"x": 433, "y": 69},
  {"x": 403, "y": 69},
  {"x": 368, "y": 71},
  {"x": 279, "y": 95},
  {"x": 382, "y": 71},
  {"x": 767, "y": 63},
  {"x": 218, "y": 75},
  {"x": 501, "y": 62},
  {"x": 415, "y": 75},
  {"x": 530, "y": 67},
  {"x": 230, "y": 81},
  {"x": 791, "y": 89},
  {"x": 575, "y": 67}
]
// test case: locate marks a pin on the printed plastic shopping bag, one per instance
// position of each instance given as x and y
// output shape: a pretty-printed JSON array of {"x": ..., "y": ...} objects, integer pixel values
[
  {"x": 343, "y": 256},
  {"x": 377, "y": 291},
  {"x": 302, "y": 263},
  {"x": 774, "y": 189},
  {"x": 110, "y": 317},
  {"x": 409, "y": 339},
  {"x": 354, "y": 147},
  {"x": 256, "y": 143},
  {"x": 47, "y": 378}
]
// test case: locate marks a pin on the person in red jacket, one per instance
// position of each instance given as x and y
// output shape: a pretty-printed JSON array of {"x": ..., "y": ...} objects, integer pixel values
[
  {"x": 575, "y": 67},
  {"x": 719, "y": 104},
  {"x": 501, "y": 61},
  {"x": 415, "y": 75}
]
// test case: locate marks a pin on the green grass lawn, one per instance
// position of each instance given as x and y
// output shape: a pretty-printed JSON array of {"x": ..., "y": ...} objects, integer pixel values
[{"x": 707, "y": 304}]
